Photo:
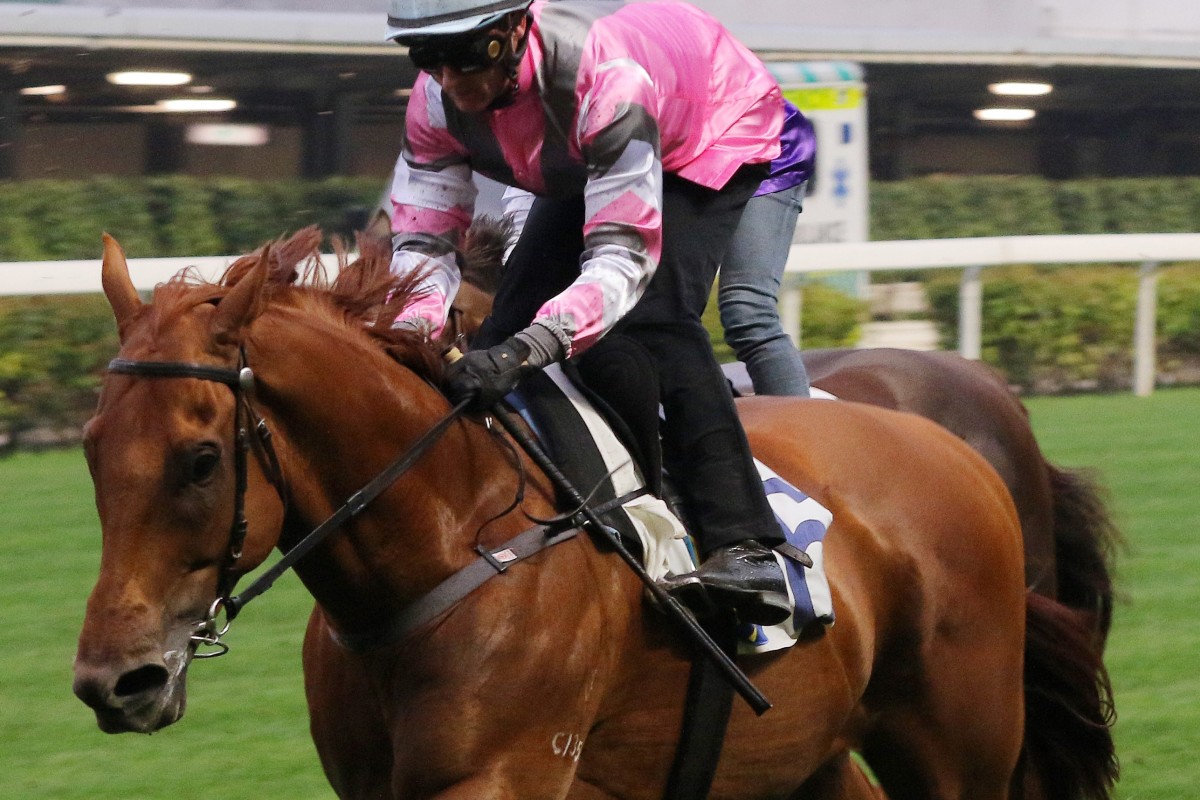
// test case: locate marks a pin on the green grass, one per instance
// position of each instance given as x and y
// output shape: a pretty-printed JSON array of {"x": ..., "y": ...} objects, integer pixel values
[
  {"x": 245, "y": 733},
  {"x": 1147, "y": 451}
]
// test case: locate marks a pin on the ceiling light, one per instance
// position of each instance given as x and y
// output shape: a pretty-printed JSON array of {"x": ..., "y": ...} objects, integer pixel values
[
  {"x": 1004, "y": 114},
  {"x": 56, "y": 88},
  {"x": 196, "y": 104},
  {"x": 1020, "y": 88},
  {"x": 149, "y": 78}
]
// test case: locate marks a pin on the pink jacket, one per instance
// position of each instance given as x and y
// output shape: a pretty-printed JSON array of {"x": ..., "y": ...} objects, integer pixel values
[{"x": 609, "y": 96}]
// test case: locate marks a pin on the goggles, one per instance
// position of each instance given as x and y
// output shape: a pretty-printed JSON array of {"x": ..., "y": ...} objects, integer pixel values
[{"x": 471, "y": 52}]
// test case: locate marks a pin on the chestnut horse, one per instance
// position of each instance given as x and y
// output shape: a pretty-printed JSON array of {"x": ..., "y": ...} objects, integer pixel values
[
  {"x": 553, "y": 679},
  {"x": 1069, "y": 535}
]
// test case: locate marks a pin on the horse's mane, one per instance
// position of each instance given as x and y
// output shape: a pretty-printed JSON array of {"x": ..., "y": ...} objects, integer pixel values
[{"x": 364, "y": 297}]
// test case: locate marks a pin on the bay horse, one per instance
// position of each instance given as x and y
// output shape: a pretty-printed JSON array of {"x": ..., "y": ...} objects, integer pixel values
[
  {"x": 553, "y": 679},
  {"x": 1070, "y": 538}
]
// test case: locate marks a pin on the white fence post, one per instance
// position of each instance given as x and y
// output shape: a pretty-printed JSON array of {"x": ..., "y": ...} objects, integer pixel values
[
  {"x": 1145, "y": 330},
  {"x": 970, "y": 314}
]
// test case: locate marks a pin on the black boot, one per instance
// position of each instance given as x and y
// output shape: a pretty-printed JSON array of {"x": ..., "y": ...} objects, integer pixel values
[{"x": 743, "y": 577}]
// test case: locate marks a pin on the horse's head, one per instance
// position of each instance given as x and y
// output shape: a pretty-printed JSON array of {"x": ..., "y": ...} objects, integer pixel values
[{"x": 161, "y": 450}]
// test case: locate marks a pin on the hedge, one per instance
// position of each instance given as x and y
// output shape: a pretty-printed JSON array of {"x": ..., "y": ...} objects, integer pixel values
[
  {"x": 170, "y": 216},
  {"x": 950, "y": 207},
  {"x": 1047, "y": 328}
]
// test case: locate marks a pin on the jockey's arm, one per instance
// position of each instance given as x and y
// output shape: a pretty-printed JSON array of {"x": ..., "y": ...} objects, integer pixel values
[
  {"x": 619, "y": 140},
  {"x": 433, "y": 200}
]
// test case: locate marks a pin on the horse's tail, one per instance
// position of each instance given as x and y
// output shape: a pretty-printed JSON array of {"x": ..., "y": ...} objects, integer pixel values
[
  {"x": 1068, "y": 751},
  {"x": 1086, "y": 541}
]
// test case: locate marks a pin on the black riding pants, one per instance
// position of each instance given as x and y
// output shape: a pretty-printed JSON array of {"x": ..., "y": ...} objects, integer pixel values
[{"x": 705, "y": 446}]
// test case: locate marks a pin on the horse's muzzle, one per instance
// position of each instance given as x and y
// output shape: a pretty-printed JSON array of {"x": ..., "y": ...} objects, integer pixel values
[{"x": 138, "y": 699}]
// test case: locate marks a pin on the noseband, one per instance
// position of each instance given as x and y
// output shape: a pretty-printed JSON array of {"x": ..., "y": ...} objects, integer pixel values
[{"x": 240, "y": 380}]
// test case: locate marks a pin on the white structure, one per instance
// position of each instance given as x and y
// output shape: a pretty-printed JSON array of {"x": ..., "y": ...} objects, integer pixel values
[
  {"x": 1148, "y": 250},
  {"x": 1142, "y": 32},
  {"x": 833, "y": 96}
]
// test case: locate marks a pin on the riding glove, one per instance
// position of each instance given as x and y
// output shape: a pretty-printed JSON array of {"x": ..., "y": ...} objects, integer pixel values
[{"x": 486, "y": 376}]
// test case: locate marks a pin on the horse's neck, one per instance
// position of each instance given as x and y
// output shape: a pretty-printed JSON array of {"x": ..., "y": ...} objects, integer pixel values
[{"x": 345, "y": 413}]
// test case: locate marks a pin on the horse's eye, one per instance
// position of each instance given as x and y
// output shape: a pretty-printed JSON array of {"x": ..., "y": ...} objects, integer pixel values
[{"x": 204, "y": 463}]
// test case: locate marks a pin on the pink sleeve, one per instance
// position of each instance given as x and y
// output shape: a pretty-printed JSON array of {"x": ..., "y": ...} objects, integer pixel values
[
  {"x": 619, "y": 139},
  {"x": 433, "y": 193}
]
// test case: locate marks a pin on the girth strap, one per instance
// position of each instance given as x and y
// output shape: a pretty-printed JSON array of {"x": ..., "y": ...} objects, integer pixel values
[{"x": 491, "y": 562}]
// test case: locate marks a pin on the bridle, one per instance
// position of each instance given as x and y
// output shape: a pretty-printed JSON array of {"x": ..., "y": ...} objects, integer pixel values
[{"x": 241, "y": 382}]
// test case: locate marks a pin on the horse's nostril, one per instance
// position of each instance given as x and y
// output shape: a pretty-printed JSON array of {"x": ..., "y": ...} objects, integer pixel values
[{"x": 142, "y": 679}]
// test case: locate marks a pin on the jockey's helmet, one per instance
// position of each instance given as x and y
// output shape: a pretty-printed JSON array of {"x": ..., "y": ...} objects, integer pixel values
[{"x": 421, "y": 18}]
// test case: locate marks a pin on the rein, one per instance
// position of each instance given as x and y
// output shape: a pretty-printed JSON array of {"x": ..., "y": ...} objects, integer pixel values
[{"x": 240, "y": 380}]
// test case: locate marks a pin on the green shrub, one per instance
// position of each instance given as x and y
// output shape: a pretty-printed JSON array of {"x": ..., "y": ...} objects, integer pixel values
[
  {"x": 950, "y": 207},
  {"x": 830, "y": 318},
  {"x": 1080, "y": 206},
  {"x": 1046, "y": 328},
  {"x": 17, "y": 242},
  {"x": 52, "y": 350},
  {"x": 67, "y": 217},
  {"x": 1179, "y": 310},
  {"x": 1050, "y": 328},
  {"x": 182, "y": 209},
  {"x": 249, "y": 213}
]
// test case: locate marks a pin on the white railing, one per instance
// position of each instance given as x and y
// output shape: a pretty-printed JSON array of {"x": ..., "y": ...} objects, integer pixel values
[
  {"x": 1149, "y": 250},
  {"x": 972, "y": 255}
]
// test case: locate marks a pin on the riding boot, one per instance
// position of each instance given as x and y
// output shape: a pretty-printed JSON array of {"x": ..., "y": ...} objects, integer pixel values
[{"x": 744, "y": 577}]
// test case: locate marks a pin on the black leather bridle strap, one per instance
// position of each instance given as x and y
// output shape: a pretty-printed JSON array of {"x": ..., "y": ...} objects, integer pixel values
[
  {"x": 353, "y": 505},
  {"x": 176, "y": 369},
  {"x": 240, "y": 381}
]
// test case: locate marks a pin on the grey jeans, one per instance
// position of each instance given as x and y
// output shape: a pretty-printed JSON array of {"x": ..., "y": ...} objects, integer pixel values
[{"x": 748, "y": 293}]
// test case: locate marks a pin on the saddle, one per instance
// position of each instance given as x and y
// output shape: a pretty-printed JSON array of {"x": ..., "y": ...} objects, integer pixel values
[{"x": 598, "y": 417}]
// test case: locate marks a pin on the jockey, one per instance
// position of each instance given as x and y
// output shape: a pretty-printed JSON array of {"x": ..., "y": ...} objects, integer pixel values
[{"x": 642, "y": 129}]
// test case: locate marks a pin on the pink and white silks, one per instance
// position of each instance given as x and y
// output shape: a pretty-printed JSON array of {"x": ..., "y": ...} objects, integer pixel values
[{"x": 609, "y": 96}]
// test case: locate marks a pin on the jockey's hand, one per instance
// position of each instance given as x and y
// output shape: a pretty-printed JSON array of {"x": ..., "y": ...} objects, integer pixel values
[{"x": 486, "y": 376}]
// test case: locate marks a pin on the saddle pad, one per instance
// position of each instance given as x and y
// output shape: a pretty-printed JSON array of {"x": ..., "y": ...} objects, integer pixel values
[{"x": 667, "y": 547}]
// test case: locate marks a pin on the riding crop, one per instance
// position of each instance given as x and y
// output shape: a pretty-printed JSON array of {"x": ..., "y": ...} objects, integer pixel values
[{"x": 673, "y": 609}]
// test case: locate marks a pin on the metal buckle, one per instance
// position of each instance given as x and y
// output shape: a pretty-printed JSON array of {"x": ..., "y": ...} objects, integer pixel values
[{"x": 207, "y": 633}]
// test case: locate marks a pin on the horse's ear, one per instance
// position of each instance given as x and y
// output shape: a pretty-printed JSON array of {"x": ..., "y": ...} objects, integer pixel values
[
  {"x": 118, "y": 286},
  {"x": 243, "y": 303}
]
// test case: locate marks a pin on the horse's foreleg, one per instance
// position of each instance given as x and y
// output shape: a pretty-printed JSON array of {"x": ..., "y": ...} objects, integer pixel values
[{"x": 350, "y": 735}]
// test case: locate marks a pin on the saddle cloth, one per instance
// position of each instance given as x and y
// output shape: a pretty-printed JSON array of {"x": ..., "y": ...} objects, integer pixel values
[{"x": 665, "y": 544}]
